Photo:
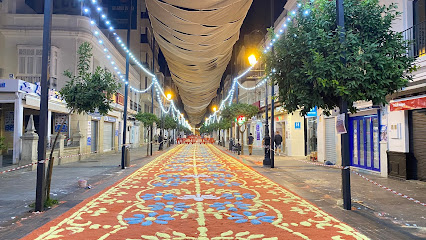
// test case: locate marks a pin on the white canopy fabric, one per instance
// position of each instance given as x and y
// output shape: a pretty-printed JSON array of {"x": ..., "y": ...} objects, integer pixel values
[{"x": 196, "y": 38}]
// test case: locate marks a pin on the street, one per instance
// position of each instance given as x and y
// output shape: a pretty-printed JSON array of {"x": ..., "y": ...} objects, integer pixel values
[{"x": 195, "y": 192}]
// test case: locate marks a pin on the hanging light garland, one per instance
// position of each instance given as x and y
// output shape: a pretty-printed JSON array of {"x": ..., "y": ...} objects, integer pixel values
[
  {"x": 268, "y": 47},
  {"x": 155, "y": 83}
]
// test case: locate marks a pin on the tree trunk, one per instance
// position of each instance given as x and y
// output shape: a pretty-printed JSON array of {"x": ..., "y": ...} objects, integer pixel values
[
  {"x": 147, "y": 146},
  {"x": 242, "y": 138},
  {"x": 51, "y": 159}
]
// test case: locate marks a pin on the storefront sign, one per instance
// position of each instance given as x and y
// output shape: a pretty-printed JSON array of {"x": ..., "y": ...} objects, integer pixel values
[
  {"x": 16, "y": 85},
  {"x": 408, "y": 104},
  {"x": 312, "y": 113},
  {"x": 297, "y": 125},
  {"x": 240, "y": 120},
  {"x": 95, "y": 116},
  {"x": 9, "y": 119},
  {"x": 58, "y": 121},
  {"x": 258, "y": 129},
  {"x": 109, "y": 119},
  {"x": 89, "y": 133}
]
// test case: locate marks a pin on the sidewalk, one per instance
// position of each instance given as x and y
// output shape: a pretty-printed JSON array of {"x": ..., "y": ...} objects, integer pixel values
[
  {"x": 376, "y": 212},
  {"x": 17, "y": 188}
]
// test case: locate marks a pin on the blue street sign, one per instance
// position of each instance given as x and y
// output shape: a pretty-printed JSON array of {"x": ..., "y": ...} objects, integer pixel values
[{"x": 312, "y": 113}]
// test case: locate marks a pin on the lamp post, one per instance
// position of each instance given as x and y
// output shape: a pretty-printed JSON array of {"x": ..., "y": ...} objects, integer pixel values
[
  {"x": 272, "y": 97},
  {"x": 39, "y": 204},
  {"x": 169, "y": 97},
  {"x": 126, "y": 88},
  {"x": 346, "y": 174},
  {"x": 267, "y": 140}
]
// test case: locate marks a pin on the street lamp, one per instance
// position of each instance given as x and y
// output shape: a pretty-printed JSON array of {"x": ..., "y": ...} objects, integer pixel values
[
  {"x": 214, "y": 109},
  {"x": 169, "y": 96},
  {"x": 252, "y": 60}
]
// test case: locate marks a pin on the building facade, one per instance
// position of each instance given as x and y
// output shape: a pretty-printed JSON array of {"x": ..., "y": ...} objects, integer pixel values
[{"x": 21, "y": 25}]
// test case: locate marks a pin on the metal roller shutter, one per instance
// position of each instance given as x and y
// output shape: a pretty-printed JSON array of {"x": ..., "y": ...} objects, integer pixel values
[
  {"x": 330, "y": 140},
  {"x": 419, "y": 142},
  {"x": 108, "y": 136}
]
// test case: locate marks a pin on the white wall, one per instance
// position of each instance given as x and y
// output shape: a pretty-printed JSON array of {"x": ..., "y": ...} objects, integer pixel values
[{"x": 398, "y": 144}]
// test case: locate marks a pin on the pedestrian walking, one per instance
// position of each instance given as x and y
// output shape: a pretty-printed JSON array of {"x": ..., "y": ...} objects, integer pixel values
[
  {"x": 250, "y": 143},
  {"x": 278, "y": 139}
]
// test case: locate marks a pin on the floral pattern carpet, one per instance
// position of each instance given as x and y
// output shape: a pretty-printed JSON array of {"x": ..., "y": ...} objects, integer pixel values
[{"x": 195, "y": 192}]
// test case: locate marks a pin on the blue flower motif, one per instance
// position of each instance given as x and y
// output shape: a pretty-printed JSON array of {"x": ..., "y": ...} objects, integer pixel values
[
  {"x": 147, "y": 221},
  {"x": 222, "y": 175},
  {"x": 237, "y": 196},
  {"x": 158, "y": 196},
  {"x": 169, "y": 207},
  {"x": 224, "y": 182},
  {"x": 231, "y": 206},
  {"x": 169, "y": 175},
  {"x": 254, "y": 219}
]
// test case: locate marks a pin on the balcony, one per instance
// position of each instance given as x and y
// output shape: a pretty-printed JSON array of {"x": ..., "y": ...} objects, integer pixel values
[{"x": 416, "y": 35}]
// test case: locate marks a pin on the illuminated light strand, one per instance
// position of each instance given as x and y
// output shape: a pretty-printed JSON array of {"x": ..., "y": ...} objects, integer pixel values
[
  {"x": 253, "y": 88},
  {"x": 100, "y": 41},
  {"x": 154, "y": 80},
  {"x": 117, "y": 38},
  {"x": 268, "y": 47}
]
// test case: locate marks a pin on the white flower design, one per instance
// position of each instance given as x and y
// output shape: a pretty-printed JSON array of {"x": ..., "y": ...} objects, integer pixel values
[
  {"x": 198, "y": 197},
  {"x": 196, "y": 176}
]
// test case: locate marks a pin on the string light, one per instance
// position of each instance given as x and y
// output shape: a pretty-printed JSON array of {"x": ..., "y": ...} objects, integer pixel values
[
  {"x": 154, "y": 81},
  {"x": 268, "y": 47}
]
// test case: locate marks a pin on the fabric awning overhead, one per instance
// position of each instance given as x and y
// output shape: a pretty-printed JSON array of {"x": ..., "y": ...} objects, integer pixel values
[{"x": 196, "y": 38}]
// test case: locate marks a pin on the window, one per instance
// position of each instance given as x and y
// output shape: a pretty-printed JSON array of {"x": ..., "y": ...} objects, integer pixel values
[
  {"x": 30, "y": 61},
  {"x": 144, "y": 38},
  {"x": 419, "y": 11},
  {"x": 144, "y": 15}
]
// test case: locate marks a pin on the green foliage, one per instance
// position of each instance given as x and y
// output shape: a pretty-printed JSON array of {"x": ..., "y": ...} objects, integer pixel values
[
  {"x": 224, "y": 124},
  {"x": 48, "y": 203},
  {"x": 147, "y": 119},
  {"x": 238, "y": 109},
  {"x": 206, "y": 128},
  {"x": 186, "y": 130},
  {"x": 87, "y": 92},
  {"x": 169, "y": 123},
  {"x": 308, "y": 64},
  {"x": 3, "y": 145}
]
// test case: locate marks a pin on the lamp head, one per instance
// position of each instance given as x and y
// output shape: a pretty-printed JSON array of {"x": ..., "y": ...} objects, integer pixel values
[{"x": 252, "y": 60}]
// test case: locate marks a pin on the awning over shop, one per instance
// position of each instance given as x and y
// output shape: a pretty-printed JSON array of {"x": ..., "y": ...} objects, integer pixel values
[{"x": 409, "y": 104}]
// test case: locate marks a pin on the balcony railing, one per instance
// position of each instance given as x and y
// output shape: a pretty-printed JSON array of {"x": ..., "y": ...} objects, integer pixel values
[
  {"x": 30, "y": 79},
  {"x": 416, "y": 35}
]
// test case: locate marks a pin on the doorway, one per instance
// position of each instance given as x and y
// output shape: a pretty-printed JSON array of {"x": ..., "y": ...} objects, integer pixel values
[
  {"x": 94, "y": 143},
  {"x": 364, "y": 140}
]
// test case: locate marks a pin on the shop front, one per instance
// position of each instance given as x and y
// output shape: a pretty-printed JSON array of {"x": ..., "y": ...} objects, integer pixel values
[
  {"x": 311, "y": 123},
  {"x": 415, "y": 166},
  {"x": 364, "y": 140},
  {"x": 108, "y": 133}
]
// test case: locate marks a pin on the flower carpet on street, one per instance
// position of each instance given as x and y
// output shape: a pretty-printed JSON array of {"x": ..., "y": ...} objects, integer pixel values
[{"x": 195, "y": 192}]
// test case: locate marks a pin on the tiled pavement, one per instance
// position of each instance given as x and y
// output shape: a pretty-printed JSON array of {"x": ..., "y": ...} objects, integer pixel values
[{"x": 377, "y": 213}]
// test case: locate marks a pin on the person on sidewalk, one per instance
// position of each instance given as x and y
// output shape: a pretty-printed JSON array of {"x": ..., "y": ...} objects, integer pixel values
[
  {"x": 278, "y": 139},
  {"x": 160, "y": 140},
  {"x": 250, "y": 143}
]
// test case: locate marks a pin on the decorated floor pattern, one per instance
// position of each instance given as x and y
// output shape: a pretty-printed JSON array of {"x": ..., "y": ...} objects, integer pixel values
[{"x": 196, "y": 192}]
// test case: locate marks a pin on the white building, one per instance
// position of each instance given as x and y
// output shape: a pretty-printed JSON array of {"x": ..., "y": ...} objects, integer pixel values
[{"x": 20, "y": 58}]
